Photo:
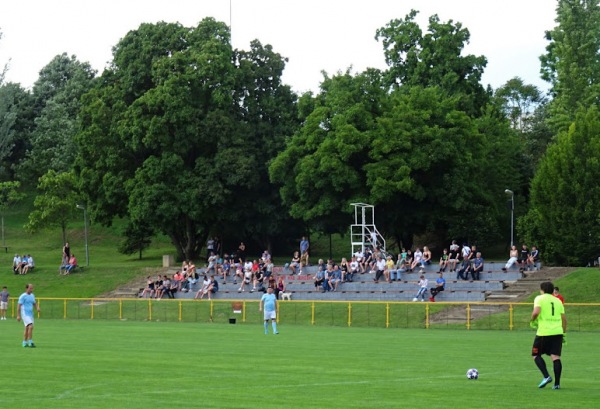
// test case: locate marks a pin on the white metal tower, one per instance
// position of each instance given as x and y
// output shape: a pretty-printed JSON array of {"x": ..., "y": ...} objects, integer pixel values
[{"x": 363, "y": 232}]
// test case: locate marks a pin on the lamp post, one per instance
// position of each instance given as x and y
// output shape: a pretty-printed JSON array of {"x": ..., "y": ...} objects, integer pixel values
[
  {"x": 512, "y": 214},
  {"x": 87, "y": 251}
]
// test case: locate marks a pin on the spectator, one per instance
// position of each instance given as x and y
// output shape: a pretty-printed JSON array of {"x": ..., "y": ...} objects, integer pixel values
[
  {"x": 380, "y": 268},
  {"x": 354, "y": 269},
  {"x": 4, "y": 298},
  {"x": 423, "y": 283},
  {"x": 409, "y": 259},
  {"x": 212, "y": 263},
  {"x": 280, "y": 287},
  {"x": 335, "y": 277},
  {"x": 444, "y": 259},
  {"x": 213, "y": 287},
  {"x": 241, "y": 253},
  {"x": 477, "y": 266},
  {"x": 257, "y": 280},
  {"x": 417, "y": 257},
  {"x": 191, "y": 280},
  {"x": 203, "y": 289},
  {"x": 158, "y": 287},
  {"x": 453, "y": 257},
  {"x": 166, "y": 288},
  {"x": 360, "y": 259},
  {"x": 178, "y": 280},
  {"x": 328, "y": 276},
  {"x": 68, "y": 267},
  {"x": 440, "y": 285},
  {"x": 523, "y": 258},
  {"x": 210, "y": 247},
  {"x": 17, "y": 264},
  {"x": 345, "y": 269},
  {"x": 149, "y": 288},
  {"x": 399, "y": 267},
  {"x": 426, "y": 260},
  {"x": 29, "y": 265},
  {"x": 295, "y": 263},
  {"x": 247, "y": 275},
  {"x": 389, "y": 269},
  {"x": 304, "y": 252},
  {"x": 66, "y": 254},
  {"x": 319, "y": 277},
  {"x": 225, "y": 268},
  {"x": 534, "y": 258},
  {"x": 369, "y": 261},
  {"x": 513, "y": 258},
  {"x": 556, "y": 293}
]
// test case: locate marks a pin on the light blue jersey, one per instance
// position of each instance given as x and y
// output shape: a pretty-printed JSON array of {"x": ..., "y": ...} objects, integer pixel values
[
  {"x": 27, "y": 301},
  {"x": 269, "y": 301}
]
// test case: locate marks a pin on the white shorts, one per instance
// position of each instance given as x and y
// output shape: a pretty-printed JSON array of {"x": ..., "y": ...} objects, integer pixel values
[
  {"x": 270, "y": 315},
  {"x": 3, "y": 305},
  {"x": 27, "y": 320}
]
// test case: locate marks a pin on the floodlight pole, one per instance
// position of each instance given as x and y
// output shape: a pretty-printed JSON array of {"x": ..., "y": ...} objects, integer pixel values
[
  {"x": 512, "y": 215},
  {"x": 87, "y": 251}
]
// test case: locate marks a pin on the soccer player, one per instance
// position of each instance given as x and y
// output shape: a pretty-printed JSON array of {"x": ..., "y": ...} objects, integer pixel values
[
  {"x": 269, "y": 301},
  {"x": 4, "y": 297},
  {"x": 25, "y": 311},
  {"x": 549, "y": 318}
]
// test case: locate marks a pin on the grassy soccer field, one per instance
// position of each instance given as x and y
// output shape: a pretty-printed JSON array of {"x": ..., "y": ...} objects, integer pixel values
[{"x": 100, "y": 364}]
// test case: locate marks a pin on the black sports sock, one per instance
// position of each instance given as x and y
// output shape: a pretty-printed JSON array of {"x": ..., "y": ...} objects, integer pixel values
[
  {"x": 557, "y": 371},
  {"x": 539, "y": 361}
]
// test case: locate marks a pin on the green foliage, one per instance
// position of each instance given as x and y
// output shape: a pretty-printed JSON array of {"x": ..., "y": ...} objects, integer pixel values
[
  {"x": 56, "y": 204},
  {"x": 433, "y": 59},
  {"x": 571, "y": 62},
  {"x": 565, "y": 197},
  {"x": 181, "y": 127},
  {"x": 57, "y": 95},
  {"x": 138, "y": 237}
]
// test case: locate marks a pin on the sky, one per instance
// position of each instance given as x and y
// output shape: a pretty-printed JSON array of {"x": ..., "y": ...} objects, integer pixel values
[{"x": 315, "y": 35}]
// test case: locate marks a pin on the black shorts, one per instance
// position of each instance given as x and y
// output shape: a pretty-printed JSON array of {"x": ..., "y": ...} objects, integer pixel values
[{"x": 548, "y": 345}]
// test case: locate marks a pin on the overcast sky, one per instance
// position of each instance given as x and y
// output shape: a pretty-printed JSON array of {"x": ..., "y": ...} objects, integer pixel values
[{"x": 315, "y": 35}]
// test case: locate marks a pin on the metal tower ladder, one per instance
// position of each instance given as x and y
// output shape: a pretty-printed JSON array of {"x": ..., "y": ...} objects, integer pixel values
[{"x": 363, "y": 231}]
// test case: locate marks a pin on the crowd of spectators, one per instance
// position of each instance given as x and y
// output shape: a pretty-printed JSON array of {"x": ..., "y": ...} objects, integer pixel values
[{"x": 23, "y": 264}]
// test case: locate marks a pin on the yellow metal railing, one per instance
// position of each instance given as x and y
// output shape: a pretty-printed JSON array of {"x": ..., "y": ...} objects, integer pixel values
[{"x": 468, "y": 315}]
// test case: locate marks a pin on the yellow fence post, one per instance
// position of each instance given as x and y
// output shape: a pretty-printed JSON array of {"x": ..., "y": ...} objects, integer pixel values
[
  {"x": 65, "y": 309},
  {"x": 349, "y": 314},
  {"x": 92, "y": 308},
  {"x": 244, "y": 312},
  {"x": 212, "y": 310},
  {"x": 510, "y": 317},
  {"x": 312, "y": 313},
  {"x": 468, "y": 316},
  {"x": 426, "y": 315},
  {"x": 149, "y": 309},
  {"x": 180, "y": 311},
  {"x": 387, "y": 315},
  {"x": 120, "y": 308}
]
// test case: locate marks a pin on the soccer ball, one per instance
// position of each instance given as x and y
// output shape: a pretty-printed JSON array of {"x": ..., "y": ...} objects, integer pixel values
[{"x": 472, "y": 373}]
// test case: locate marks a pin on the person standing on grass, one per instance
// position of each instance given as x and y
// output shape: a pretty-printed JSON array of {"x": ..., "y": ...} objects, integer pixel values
[
  {"x": 549, "y": 318},
  {"x": 269, "y": 302},
  {"x": 25, "y": 309},
  {"x": 4, "y": 297}
]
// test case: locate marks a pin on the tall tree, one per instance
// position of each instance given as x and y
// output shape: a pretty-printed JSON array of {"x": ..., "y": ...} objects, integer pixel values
[
  {"x": 55, "y": 206},
  {"x": 434, "y": 59},
  {"x": 571, "y": 64},
  {"x": 57, "y": 95},
  {"x": 565, "y": 195},
  {"x": 172, "y": 134}
]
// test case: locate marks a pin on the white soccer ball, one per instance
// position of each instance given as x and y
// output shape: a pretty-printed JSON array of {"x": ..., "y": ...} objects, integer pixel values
[{"x": 472, "y": 373}]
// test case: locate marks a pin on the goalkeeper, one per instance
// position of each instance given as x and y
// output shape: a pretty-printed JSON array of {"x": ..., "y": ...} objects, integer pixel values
[{"x": 549, "y": 318}]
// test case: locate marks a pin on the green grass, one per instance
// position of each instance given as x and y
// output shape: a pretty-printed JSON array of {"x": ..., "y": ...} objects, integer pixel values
[{"x": 100, "y": 364}]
